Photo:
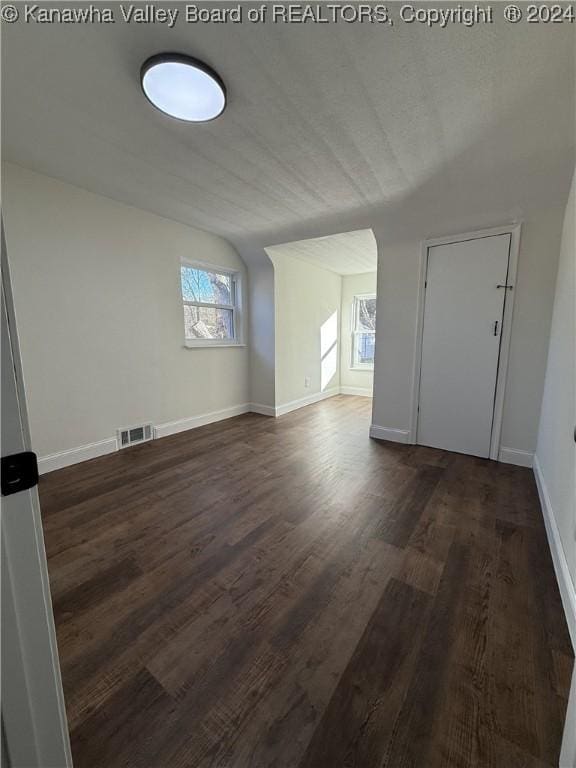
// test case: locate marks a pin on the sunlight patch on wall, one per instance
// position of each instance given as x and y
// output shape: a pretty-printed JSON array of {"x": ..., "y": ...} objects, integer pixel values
[{"x": 328, "y": 350}]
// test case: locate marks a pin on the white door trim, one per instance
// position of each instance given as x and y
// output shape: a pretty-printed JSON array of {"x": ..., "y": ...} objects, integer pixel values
[
  {"x": 514, "y": 231},
  {"x": 33, "y": 709}
]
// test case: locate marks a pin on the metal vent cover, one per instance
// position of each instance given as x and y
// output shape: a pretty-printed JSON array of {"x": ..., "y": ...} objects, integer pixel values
[{"x": 140, "y": 433}]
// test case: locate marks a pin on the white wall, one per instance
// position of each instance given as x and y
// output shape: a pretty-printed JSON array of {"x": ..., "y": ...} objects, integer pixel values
[
  {"x": 556, "y": 449},
  {"x": 307, "y": 309},
  {"x": 396, "y": 315},
  {"x": 261, "y": 335},
  {"x": 97, "y": 299},
  {"x": 398, "y": 280},
  {"x": 357, "y": 380}
]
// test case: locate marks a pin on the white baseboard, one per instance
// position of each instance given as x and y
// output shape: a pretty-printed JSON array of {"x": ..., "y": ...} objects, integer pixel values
[
  {"x": 93, "y": 450},
  {"x": 76, "y": 455},
  {"x": 281, "y": 410},
  {"x": 387, "y": 433},
  {"x": 181, "y": 425},
  {"x": 102, "y": 447},
  {"x": 514, "y": 456},
  {"x": 263, "y": 410},
  {"x": 567, "y": 588},
  {"x": 304, "y": 401},
  {"x": 358, "y": 391}
]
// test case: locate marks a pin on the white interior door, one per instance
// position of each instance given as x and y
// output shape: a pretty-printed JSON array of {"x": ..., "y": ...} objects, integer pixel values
[
  {"x": 33, "y": 723},
  {"x": 463, "y": 315}
]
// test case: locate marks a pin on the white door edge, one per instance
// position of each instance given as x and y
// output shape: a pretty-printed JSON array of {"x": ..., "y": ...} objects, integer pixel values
[{"x": 34, "y": 719}]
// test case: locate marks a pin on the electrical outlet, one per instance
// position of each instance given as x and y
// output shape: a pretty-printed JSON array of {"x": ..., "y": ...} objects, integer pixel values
[{"x": 307, "y": 381}]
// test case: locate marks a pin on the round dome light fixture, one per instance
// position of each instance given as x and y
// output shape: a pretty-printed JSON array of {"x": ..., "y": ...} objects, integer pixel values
[{"x": 183, "y": 87}]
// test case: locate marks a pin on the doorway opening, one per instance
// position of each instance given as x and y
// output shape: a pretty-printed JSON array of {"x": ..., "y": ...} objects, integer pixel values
[{"x": 325, "y": 317}]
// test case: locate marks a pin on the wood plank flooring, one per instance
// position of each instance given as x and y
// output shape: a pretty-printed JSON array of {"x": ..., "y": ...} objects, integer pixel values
[{"x": 288, "y": 592}]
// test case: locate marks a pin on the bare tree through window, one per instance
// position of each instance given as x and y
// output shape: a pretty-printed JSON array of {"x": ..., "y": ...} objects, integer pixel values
[
  {"x": 209, "y": 304},
  {"x": 364, "y": 331}
]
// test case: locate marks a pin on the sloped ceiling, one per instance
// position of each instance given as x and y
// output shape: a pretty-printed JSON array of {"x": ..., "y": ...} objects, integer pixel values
[
  {"x": 329, "y": 127},
  {"x": 349, "y": 253}
]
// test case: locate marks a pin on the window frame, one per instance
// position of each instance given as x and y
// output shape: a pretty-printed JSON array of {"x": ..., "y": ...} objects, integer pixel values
[
  {"x": 354, "y": 364},
  {"x": 235, "y": 307}
]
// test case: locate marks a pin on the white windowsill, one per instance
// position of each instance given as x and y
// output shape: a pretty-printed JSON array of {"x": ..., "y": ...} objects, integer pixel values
[
  {"x": 368, "y": 369},
  {"x": 209, "y": 345}
]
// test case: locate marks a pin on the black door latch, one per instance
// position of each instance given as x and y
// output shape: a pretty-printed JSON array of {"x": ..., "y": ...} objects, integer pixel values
[{"x": 19, "y": 472}]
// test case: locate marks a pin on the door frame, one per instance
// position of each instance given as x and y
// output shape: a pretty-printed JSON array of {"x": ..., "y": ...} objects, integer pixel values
[
  {"x": 514, "y": 230},
  {"x": 34, "y": 722}
]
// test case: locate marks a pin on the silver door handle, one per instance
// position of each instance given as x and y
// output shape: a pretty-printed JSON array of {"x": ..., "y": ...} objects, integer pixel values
[{"x": 496, "y": 324}]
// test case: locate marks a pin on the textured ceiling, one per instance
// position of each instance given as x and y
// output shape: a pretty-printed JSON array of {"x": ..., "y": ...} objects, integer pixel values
[
  {"x": 349, "y": 253},
  {"x": 330, "y": 127}
]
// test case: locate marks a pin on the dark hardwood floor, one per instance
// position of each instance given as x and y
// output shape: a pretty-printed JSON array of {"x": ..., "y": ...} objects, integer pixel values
[{"x": 288, "y": 592}]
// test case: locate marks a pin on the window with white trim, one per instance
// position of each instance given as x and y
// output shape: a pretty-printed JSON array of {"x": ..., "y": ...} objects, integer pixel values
[
  {"x": 211, "y": 303},
  {"x": 363, "y": 331}
]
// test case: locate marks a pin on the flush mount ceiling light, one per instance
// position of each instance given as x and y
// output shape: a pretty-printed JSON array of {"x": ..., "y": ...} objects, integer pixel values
[{"x": 183, "y": 87}]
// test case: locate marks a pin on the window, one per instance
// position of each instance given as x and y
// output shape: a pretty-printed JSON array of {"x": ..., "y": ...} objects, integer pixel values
[
  {"x": 363, "y": 331},
  {"x": 211, "y": 305}
]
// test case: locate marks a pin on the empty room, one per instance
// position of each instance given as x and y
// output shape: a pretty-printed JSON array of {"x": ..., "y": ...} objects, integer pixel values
[{"x": 288, "y": 385}]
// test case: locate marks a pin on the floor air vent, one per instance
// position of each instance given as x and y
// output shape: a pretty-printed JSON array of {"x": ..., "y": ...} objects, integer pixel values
[{"x": 134, "y": 435}]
